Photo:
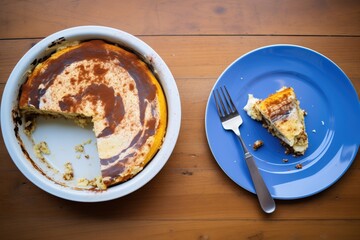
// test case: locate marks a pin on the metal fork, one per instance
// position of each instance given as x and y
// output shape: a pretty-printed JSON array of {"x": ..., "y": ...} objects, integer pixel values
[{"x": 231, "y": 120}]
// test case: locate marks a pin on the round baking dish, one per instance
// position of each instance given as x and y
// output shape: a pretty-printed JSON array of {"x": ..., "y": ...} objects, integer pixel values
[{"x": 20, "y": 147}]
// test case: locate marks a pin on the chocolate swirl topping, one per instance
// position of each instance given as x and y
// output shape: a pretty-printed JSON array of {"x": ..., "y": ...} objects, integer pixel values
[
  {"x": 112, "y": 86},
  {"x": 96, "y": 91}
]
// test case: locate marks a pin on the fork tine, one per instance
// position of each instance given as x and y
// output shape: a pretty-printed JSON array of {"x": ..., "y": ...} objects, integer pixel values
[
  {"x": 223, "y": 102},
  {"x": 233, "y": 107},
  {"x": 225, "y": 111},
  {"x": 229, "y": 108},
  {"x": 217, "y": 104}
]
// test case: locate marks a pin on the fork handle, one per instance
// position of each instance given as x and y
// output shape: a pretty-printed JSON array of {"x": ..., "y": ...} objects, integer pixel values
[{"x": 267, "y": 203}]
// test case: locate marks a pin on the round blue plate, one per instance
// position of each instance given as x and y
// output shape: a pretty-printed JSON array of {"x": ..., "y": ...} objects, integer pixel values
[{"x": 332, "y": 121}]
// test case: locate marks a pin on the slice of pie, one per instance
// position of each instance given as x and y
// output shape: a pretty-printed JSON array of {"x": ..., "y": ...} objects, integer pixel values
[{"x": 283, "y": 117}]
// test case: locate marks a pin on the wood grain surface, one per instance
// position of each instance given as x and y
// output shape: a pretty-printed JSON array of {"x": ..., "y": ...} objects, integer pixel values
[{"x": 191, "y": 198}]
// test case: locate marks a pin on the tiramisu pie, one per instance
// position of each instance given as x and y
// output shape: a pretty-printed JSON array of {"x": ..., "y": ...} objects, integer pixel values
[
  {"x": 111, "y": 87},
  {"x": 283, "y": 117}
]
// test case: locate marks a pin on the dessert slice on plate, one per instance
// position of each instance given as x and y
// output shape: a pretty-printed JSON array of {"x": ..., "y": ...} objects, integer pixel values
[{"x": 283, "y": 117}]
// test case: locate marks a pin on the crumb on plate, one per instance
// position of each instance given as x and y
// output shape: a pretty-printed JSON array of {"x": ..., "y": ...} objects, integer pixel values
[{"x": 258, "y": 144}]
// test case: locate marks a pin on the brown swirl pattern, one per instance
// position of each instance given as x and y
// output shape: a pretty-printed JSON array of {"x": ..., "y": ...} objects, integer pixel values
[{"x": 111, "y": 86}]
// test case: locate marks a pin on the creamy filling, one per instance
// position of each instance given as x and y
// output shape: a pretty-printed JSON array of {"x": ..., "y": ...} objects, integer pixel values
[{"x": 251, "y": 109}]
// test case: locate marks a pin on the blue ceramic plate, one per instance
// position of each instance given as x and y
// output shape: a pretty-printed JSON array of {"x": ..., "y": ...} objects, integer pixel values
[{"x": 332, "y": 122}]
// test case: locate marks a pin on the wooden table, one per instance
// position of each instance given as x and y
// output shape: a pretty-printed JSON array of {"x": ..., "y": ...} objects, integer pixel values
[{"x": 191, "y": 198}]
